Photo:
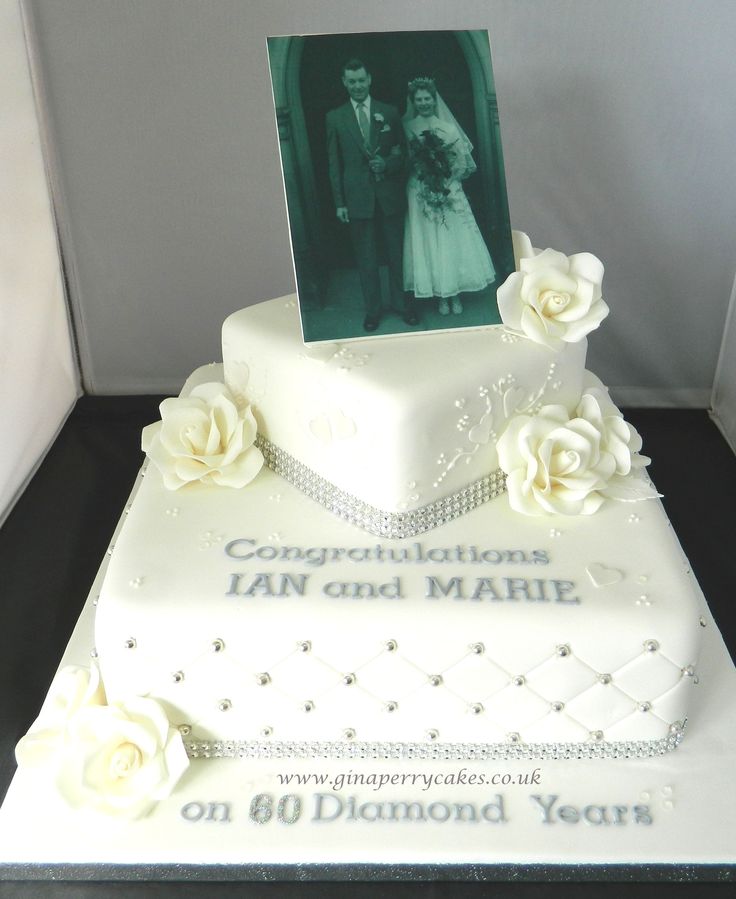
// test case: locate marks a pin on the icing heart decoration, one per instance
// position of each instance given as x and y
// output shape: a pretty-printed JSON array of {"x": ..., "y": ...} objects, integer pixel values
[
  {"x": 481, "y": 433},
  {"x": 601, "y": 576},
  {"x": 336, "y": 426},
  {"x": 512, "y": 400}
]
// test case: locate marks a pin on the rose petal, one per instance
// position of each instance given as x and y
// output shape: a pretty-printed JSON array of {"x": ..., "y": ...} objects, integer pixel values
[
  {"x": 577, "y": 330},
  {"x": 509, "y": 300},
  {"x": 522, "y": 246},
  {"x": 548, "y": 259},
  {"x": 242, "y": 471},
  {"x": 588, "y": 266}
]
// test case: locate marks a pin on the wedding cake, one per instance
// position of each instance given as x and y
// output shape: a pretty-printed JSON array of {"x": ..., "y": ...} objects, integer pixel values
[{"x": 439, "y": 546}]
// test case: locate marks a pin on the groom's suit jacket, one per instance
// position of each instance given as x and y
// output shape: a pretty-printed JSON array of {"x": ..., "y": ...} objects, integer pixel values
[{"x": 353, "y": 183}]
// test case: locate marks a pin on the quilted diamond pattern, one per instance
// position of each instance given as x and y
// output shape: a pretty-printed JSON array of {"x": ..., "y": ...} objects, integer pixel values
[{"x": 387, "y": 695}]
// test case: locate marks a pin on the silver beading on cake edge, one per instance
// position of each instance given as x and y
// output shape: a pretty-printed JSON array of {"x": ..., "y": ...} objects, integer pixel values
[
  {"x": 379, "y": 521},
  {"x": 593, "y": 749}
]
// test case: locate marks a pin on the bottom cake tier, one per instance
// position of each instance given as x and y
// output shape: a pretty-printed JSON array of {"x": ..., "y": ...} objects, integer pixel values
[{"x": 268, "y": 627}]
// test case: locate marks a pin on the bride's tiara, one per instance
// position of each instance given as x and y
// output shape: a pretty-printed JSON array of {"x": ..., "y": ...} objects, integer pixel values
[{"x": 422, "y": 84}]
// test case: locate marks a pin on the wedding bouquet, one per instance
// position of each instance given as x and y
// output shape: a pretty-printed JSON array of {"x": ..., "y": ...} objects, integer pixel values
[{"x": 432, "y": 159}]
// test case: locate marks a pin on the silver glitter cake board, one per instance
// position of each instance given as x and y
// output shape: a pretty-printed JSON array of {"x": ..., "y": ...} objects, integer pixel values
[{"x": 670, "y": 816}]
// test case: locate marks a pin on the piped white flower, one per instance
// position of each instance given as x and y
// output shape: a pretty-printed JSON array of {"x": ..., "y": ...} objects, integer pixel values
[
  {"x": 557, "y": 463},
  {"x": 118, "y": 759},
  {"x": 552, "y": 298},
  {"x": 72, "y": 689},
  {"x": 205, "y": 437}
]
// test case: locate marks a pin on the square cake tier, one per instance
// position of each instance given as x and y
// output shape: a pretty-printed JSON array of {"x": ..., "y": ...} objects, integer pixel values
[
  {"x": 397, "y": 435},
  {"x": 266, "y": 625}
]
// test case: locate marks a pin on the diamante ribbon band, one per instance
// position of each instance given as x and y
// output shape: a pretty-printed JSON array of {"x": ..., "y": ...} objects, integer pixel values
[
  {"x": 378, "y": 521},
  {"x": 592, "y": 749}
]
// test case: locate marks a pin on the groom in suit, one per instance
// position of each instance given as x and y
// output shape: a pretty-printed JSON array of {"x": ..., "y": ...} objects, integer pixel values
[{"x": 367, "y": 165}]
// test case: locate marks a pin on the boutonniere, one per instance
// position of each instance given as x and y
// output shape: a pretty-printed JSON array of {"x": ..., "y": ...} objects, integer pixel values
[{"x": 379, "y": 120}]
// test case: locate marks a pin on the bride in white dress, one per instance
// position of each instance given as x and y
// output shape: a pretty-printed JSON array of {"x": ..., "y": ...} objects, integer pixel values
[{"x": 444, "y": 251}]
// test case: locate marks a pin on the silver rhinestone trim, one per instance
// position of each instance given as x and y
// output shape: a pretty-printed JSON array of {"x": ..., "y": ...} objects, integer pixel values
[
  {"x": 379, "y": 521},
  {"x": 513, "y": 749}
]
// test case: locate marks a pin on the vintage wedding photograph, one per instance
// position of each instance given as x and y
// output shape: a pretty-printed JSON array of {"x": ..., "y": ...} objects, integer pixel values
[{"x": 393, "y": 171}]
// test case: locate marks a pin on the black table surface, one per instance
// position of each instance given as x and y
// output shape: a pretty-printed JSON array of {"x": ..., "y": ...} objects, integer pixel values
[{"x": 52, "y": 543}]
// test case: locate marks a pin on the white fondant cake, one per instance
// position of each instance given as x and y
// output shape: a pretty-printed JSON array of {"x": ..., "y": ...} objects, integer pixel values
[
  {"x": 260, "y": 620},
  {"x": 247, "y": 609}
]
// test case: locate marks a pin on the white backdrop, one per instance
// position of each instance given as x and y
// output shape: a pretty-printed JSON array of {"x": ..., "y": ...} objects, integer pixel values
[
  {"x": 38, "y": 378},
  {"x": 618, "y": 118}
]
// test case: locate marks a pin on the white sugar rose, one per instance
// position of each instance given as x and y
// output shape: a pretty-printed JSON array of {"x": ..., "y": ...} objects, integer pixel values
[
  {"x": 558, "y": 464},
  {"x": 552, "y": 298},
  {"x": 618, "y": 438},
  {"x": 204, "y": 437},
  {"x": 73, "y": 688},
  {"x": 120, "y": 759}
]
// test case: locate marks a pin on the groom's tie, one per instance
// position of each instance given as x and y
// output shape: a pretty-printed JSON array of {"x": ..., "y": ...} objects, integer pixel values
[{"x": 365, "y": 128}]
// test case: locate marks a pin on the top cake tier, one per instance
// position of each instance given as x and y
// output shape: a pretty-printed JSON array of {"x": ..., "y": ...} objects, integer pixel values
[{"x": 399, "y": 434}]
